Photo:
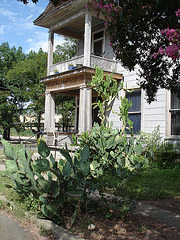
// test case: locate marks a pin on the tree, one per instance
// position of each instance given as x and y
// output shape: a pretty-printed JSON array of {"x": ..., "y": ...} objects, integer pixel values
[
  {"x": 134, "y": 29},
  {"x": 66, "y": 50},
  {"x": 8, "y": 112},
  {"x": 66, "y": 108},
  {"x": 23, "y": 83}
]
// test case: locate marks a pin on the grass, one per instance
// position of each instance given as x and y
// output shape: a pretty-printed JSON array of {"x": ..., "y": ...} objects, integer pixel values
[
  {"x": 155, "y": 184},
  {"x": 22, "y": 204}
]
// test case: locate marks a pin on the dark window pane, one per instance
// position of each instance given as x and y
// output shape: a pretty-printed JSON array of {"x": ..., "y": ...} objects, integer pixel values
[
  {"x": 136, "y": 119},
  {"x": 175, "y": 101},
  {"x": 175, "y": 123},
  {"x": 98, "y": 35},
  {"x": 98, "y": 46},
  {"x": 135, "y": 98}
]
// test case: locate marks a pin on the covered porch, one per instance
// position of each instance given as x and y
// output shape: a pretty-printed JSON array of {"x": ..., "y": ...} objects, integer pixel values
[{"x": 76, "y": 83}]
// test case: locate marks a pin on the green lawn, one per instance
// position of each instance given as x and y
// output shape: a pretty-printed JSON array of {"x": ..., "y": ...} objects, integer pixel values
[{"x": 155, "y": 184}]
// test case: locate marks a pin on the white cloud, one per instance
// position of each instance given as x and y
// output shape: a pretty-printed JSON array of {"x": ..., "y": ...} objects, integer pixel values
[
  {"x": 40, "y": 40},
  {"x": 29, "y": 17},
  {"x": 12, "y": 16},
  {"x": 2, "y": 29}
]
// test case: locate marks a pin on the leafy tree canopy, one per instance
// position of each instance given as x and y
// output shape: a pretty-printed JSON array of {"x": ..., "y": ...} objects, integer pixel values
[
  {"x": 66, "y": 50},
  {"x": 19, "y": 82},
  {"x": 8, "y": 111}
]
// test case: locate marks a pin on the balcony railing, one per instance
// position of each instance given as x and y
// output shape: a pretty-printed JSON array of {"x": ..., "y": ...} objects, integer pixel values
[{"x": 104, "y": 63}]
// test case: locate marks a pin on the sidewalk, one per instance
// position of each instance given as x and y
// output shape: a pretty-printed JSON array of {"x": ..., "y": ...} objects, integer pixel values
[{"x": 10, "y": 229}]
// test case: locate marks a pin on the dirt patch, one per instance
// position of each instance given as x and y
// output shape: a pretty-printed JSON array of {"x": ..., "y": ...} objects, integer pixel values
[
  {"x": 134, "y": 227},
  {"x": 172, "y": 205}
]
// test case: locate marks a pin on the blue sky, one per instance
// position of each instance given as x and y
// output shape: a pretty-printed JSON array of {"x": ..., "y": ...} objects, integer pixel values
[{"x": 17, "y": 28}]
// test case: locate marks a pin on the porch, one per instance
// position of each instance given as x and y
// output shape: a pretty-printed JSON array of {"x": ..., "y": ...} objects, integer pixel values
[{"x": 75, "y": 82}]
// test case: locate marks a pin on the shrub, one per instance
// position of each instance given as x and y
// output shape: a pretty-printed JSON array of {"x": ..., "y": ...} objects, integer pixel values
[
  {"x": 49, "y": 182},
  {"x": 112, "y": 153},
  {"x": 161, "y": 154},
  {"x": 166, "y": 155}
]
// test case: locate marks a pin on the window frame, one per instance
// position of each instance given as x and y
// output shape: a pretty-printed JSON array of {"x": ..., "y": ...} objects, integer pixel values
[
  {"x": 173, "y": 111},
  {"x": 136, "y": 112},
  {"x": 96, "y": 40}
]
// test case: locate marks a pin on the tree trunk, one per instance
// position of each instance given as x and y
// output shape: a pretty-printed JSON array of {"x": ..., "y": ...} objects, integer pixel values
[{"x": 6, "y": 133}]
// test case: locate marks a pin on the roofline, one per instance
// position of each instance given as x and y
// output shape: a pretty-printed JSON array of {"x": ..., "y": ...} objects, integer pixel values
[{"x": 43, "y": 14}]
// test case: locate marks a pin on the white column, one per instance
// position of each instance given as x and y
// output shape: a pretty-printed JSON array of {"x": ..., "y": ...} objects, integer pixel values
[
  {"x": 76, "y": 114},
  {"x": 81, "y": 111},
  {"x": 49, "y": 121},
  {"x": 87, "y": 40},
  {"x": 50, "y": 51},
  {"x": 89, "y": 108},
  {"x": 85, "y": 110}
]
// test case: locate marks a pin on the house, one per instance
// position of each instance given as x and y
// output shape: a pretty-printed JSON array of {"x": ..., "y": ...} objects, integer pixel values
[{"x": 77, "y": 19}]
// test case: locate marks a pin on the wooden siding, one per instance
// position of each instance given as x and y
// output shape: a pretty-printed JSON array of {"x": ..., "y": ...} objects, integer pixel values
[{"x": 153, "y": 114}]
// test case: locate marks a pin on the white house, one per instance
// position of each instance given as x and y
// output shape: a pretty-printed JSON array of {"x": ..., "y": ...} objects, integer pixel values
[{"x": 77, "y": 19}]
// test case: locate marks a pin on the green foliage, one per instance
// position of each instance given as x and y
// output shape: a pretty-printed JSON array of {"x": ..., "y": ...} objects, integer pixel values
[
  {"x": 66, "y": 109},
  {"x": 151, "y": 142},
  {"x": 166, "y": 155},
  {"x": 66, "y": 50},
  {"x": 8, "y": 112},
  {"x": 110, "y": 150},
  {"x": 19, "y": 85},
  {"x": 48, "y": 181},
  {"x": 123, "y": 114},
  {"x": 141, "y": 22},
  {"x": 107, "y": 89},
  {"x": 161, "y": 154},
  {"x": 154, "y": 184}
]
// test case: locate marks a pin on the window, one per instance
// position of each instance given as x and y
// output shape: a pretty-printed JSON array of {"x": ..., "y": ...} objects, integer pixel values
[
  {"x": 135, "y": 110},
  {"x": 98, "y": 43},
  {"x": 175, "y": 114}
]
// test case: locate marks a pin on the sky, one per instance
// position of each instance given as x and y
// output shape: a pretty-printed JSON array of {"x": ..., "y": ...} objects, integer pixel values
[{"x": 17, "y": 28}]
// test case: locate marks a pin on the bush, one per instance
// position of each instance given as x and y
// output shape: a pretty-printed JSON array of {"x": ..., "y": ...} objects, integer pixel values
[
  {"x": 47, "y": 181},
  {"x": 161, "y": 154},
  {"x": 112, "y": 153},
  {"x": 166, "y": 155}
]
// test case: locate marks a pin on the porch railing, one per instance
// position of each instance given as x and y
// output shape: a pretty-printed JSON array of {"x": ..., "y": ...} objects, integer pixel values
[{"x": 105, "y": 63}]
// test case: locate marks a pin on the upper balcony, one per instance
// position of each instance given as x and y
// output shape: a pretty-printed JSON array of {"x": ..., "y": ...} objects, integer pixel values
[{"x": 78, "y": 61}]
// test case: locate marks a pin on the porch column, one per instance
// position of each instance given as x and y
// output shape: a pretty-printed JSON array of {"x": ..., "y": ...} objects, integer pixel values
[
  {"x": 87, "y": 40},
  {"x": 85, "y": 110},
  {"x": 76, "y": 113},
  {"x": 49, "y": 121},
  {"x": 50, "y": 51}
]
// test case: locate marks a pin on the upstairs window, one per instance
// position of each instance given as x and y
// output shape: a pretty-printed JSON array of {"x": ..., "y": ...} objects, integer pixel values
[
  {"x": 175, "y": 114},
  {"x": 98, "y": 43},
  {"x": 135, "y": 110}
]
